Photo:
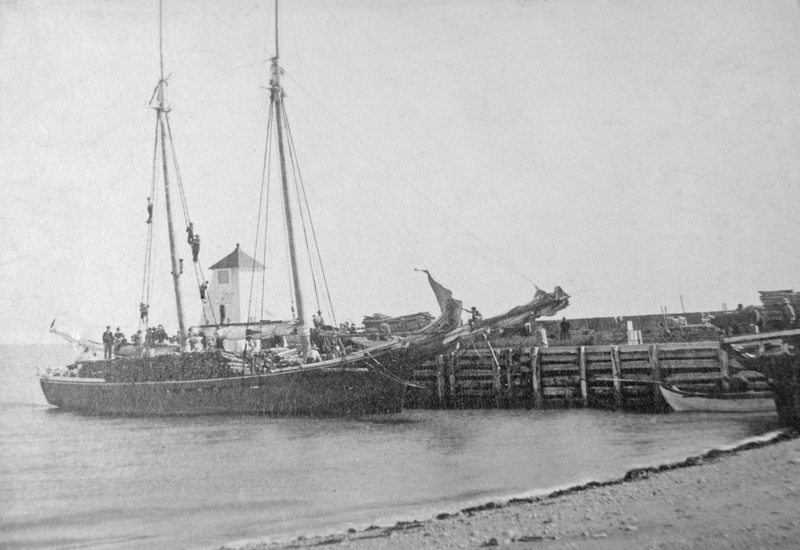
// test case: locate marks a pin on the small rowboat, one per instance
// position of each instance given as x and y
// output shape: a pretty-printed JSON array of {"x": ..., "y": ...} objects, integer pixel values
[{"x": 751, "y": 401}]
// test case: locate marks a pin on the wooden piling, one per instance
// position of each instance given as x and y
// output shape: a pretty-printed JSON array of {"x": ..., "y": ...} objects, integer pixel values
[
  {"x": 509, "y": 363},
  {"x": 440, "y": 380},
  {"x": 536, "y": 379},
  {"x": 724, "y": 363},
  {"x": 655, "y": 373},
  {"x": 453, "y": 365},
  {"x": 584, "y": 383},
  {"x": 615, "y": 374}
]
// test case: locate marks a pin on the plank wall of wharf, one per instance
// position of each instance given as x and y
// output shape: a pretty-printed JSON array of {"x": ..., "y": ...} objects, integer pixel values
[
  {"x": 777, "y": 356},
  {"x": 622, "y": 377}
]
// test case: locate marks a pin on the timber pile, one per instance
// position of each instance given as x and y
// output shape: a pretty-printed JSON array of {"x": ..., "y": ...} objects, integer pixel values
[
  {"x": 773, "y": 301},
  {"x": 163, "y": 368}
]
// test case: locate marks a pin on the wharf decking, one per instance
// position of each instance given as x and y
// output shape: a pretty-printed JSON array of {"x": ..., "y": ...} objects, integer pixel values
[{"x": 606, "y": 376}]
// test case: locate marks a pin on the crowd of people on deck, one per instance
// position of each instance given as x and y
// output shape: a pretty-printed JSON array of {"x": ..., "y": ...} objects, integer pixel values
[{"x": 113, "y": 341}]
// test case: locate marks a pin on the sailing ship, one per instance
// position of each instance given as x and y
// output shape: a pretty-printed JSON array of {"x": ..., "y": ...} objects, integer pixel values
[{"x": 272, "y": 374}]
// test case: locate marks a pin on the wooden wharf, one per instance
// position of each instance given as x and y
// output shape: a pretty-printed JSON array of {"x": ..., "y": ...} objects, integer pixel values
[
  {"x": 604, "y": 376},
  {"x": 775, "y": 355}
]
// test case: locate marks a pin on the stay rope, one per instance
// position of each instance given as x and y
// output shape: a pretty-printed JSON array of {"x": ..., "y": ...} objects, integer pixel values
[
  {"x": 300, "y": 188},
  {"x": 417, "y": 190},
  {"x": 198, "y": 268},
  {"x": 147, "y": 277},
  {"x": 265, "y": 170}
]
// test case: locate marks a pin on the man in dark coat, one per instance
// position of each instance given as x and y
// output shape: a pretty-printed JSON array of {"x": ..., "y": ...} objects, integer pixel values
[
  {"x": 195, "y": 247},
  {"x": 108, "y": 343},
  {"x": 565, "y": 326}
]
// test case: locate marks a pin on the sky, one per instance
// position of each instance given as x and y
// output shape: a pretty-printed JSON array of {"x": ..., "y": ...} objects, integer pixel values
[{"x": 632, "y": 153}]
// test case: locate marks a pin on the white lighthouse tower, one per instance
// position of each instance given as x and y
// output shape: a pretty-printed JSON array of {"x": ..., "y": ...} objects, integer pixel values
[{"x": 227, "y": 295}]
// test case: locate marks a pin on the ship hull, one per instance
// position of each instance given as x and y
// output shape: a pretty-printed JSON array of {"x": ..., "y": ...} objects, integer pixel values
[{"x": 331, "y": 391}]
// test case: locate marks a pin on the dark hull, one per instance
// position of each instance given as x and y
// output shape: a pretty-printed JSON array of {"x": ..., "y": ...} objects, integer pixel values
[{"x": 340, "y": 392}]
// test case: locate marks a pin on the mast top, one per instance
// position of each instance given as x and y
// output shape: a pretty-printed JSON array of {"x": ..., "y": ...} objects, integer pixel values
[{"x": 277, "y": 44}]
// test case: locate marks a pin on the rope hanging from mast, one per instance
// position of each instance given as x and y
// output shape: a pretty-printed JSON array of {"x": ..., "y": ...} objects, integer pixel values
[
  {"x": 264, "y": 179},
  {"x": 300, "y": 188}
]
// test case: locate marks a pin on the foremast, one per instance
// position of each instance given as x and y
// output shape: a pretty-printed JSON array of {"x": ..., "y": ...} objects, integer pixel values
[
  {"x": 303, "y": 320},
  {"x": 162, "y": 110}
]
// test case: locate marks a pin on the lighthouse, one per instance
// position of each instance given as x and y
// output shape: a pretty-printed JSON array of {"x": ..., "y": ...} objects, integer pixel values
[{"x": 228, "y": 290}]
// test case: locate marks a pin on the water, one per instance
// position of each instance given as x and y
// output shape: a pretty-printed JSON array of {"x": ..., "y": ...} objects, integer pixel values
[{"x": 72, "y": 481}]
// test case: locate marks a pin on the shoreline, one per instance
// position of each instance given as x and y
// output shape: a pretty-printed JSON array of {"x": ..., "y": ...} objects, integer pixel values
[{"x": 499, "y": 522}]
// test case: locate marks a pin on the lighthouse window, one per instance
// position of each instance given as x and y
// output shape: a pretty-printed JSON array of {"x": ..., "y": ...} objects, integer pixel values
[{"x": 224, "y": 277}]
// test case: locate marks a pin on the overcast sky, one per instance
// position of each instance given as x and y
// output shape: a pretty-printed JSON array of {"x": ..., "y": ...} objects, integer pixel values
[{"x": 629, "y": 152}]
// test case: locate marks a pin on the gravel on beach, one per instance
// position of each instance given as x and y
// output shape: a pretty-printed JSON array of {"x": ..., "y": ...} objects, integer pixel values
[{"x": 748, "y": 498}]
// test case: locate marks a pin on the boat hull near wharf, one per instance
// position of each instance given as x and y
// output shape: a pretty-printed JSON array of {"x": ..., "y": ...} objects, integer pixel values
[
  {"x": 322, "y": 389},
  {"x": 745, "y": 402}
]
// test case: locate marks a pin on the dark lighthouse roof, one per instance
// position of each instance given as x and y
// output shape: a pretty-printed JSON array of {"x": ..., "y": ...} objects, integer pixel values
[{"x": 237, "y": 259}]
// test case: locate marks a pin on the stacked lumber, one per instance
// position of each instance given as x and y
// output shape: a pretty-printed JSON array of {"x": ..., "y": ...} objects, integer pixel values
[
  {"x": 163, "y": 368},
  {"x": 773, "y": 301}
]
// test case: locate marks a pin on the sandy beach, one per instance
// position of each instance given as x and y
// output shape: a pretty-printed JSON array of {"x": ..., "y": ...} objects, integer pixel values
[{"x": 747, "y": 497}]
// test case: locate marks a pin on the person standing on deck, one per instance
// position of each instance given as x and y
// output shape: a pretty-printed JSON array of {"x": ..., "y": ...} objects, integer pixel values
[
  {"x": 565, "y": 326},
  {"x": 475, "y": 318},
  {"x": 788, "y": 314},
  {"x": 108, "y": 343},
  {"x": 149, "y": 210}
]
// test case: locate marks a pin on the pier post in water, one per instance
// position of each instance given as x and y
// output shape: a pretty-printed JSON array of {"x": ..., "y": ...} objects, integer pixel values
[
  {"x": 724, "y": 363},
  {"x": 440, "y": 379},
  {"x": 584, "y": 384},
  {"x": 536, "y": 379},
  {"x": 655, "y": 374},
  {"x": 509, "y": 363},
  {"x": 615, "y": 374}
]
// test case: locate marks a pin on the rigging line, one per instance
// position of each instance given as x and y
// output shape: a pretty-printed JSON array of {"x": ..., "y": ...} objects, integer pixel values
[
  {"x": 148, "y": 246},
  {"x": 265, "y": 179},
  {"x": 199, "y": 274},
  {"x": 286, "y": 241},
  {"x": 415, "y": 188},
  {"x": 310, "y": 221},
  {"x": 258, "y": 220},
  {"x": 296, "y": 178},
  {"x": 198, "y": 271},
  {"x": 178, "y": 177},
  {"x": 411, "y": 257}
]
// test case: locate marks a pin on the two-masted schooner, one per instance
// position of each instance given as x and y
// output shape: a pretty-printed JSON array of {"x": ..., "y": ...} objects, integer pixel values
[{"x": 275, "y": 377}]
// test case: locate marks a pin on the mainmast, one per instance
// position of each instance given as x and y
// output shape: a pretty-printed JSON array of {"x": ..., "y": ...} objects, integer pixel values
[
  {"x": 303, "y": 324},
  {"x": 162, "y": 111}
]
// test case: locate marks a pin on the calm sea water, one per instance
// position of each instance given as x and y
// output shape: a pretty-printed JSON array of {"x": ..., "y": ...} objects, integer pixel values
[{"x": 72, "y": 481}]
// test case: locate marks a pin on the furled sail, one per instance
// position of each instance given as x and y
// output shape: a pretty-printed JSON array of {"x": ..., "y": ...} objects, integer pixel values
[
  {"x": 450, "y": 317},
  {"x": 543, "y": 304},
  {"x": 81, "y": 343},
  {"x": 241, "y": 331}
]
